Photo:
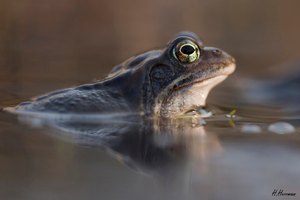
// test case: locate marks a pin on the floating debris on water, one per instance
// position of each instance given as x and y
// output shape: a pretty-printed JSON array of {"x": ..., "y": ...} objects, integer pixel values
[
  {"x": 231, "y": 114},
  {"x": 281, "y": 128},
  {"x": 251, "y": 128},
  {"x": 204, "y": 112}
]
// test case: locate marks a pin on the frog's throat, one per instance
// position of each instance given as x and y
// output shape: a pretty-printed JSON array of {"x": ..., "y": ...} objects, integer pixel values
[{"x": 186, "y": 98}]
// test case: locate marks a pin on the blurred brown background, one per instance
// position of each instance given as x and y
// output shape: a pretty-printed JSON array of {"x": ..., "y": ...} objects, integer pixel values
[{"x": 49, "y": 44}]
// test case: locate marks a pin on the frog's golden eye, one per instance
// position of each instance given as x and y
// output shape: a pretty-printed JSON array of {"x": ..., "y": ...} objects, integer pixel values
[{"x": 186, "y": 51}]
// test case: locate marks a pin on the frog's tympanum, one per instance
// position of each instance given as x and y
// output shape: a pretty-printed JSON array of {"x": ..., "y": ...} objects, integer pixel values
[{"x": 166, "y": 83}]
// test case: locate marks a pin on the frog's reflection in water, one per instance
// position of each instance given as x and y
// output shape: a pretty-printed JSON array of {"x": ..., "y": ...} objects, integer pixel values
[{"x": 149, "y": 146}]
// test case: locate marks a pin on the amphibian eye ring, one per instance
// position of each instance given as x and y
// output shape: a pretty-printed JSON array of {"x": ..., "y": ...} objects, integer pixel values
[{"x": 186, "y": 51}]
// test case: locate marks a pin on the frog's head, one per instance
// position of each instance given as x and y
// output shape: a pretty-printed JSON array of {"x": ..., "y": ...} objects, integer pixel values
[{"x": 176, "y": 79}]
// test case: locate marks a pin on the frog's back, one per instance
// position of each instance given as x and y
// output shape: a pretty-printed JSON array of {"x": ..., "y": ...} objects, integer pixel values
[{"x": 92, "y": 98}]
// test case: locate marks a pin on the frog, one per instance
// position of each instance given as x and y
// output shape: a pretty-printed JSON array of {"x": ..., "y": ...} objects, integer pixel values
[{"x": 166, "y": 82}]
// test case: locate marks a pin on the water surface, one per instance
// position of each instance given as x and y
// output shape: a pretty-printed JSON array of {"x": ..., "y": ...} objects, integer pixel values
[{"x": 122, "y": 156}]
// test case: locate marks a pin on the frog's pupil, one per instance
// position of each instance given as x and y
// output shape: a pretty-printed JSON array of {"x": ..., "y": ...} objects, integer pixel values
[{"x": 187, "y": 49}]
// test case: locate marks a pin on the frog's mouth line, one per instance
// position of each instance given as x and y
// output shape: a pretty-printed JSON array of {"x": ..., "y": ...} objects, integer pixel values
[
  {"x": 226, "y": 71},
  {"x": 202, "y": 81}
]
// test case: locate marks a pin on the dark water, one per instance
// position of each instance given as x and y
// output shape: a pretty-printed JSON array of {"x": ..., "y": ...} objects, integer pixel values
[
  {"x": 121, "y": 156},
  {"x": 51, "y": 45}
]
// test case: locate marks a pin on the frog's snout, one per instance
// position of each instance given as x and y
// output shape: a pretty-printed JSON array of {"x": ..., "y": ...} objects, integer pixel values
[{"x": 216, "y": 54}]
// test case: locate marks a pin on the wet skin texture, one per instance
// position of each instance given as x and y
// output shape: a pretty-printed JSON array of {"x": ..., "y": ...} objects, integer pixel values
[{"x": 166, "y": 82}]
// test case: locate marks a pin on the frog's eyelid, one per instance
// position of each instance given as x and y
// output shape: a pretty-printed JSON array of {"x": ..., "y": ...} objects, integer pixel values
[
  {"x": 188, "y": 34},
  {"x": 179, "y": 39}
]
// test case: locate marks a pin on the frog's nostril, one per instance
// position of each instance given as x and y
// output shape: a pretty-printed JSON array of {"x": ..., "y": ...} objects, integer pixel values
[{"x": 217, "y": 52}]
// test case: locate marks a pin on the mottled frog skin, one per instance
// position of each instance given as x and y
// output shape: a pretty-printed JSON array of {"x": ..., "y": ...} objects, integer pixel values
[{"x": 166, "y": 82}]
